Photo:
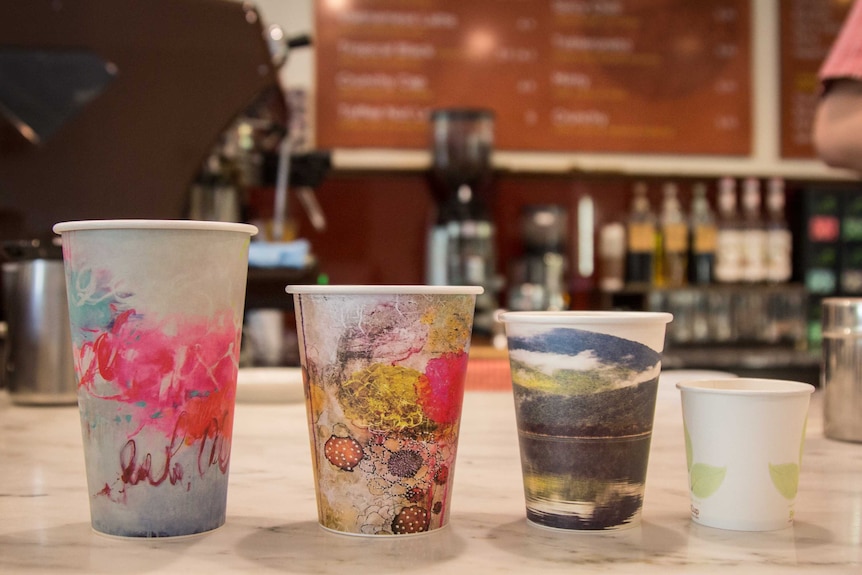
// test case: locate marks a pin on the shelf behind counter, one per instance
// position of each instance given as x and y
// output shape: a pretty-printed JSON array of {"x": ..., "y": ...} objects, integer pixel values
[
  {"x": 752, "y": 330},
  {"x": 765, "y": 327}
]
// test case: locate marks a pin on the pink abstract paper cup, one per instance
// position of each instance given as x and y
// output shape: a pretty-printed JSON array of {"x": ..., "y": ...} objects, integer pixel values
[
  {"x": 384, "y": 368},
  {"x": 156, "y": 315}
]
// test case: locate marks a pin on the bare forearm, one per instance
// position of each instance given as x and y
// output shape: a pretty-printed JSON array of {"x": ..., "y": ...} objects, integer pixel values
[{"x": 837, "y": 132}]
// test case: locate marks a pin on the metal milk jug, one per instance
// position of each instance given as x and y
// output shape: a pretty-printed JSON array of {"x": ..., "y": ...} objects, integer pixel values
[
  {"x": 841, "y": 372},
  {"x": 39, "y": 367}
]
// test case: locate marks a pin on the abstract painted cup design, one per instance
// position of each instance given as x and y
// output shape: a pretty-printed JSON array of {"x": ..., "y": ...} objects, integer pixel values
[
  {"x": 384, "y": 370},
  {"x": 156, "y": 315},
  {"x": 585, "y": 387}
]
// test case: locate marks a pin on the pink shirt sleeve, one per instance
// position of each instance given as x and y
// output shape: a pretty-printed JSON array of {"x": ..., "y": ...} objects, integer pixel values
[{"x": 845, "y": 57}]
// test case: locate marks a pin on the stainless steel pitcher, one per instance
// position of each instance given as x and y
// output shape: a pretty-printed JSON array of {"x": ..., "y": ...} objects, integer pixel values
[
  {"x": 841, "y": 373},
  {"x": 39, "y": 367}
]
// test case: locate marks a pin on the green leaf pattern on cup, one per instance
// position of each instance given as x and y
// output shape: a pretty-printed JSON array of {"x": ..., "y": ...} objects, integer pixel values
[
  {"x": 688, "y": 455},
  {"x": 704, "y": 480},
  {"x": 785, "y": 476}
]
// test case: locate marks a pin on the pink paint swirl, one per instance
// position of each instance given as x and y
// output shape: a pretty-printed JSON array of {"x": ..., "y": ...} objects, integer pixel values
[{"x": 180, "y": 375}]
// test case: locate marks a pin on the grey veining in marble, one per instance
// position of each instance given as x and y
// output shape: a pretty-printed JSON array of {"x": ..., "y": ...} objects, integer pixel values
[{"x": 272, "y": 523}]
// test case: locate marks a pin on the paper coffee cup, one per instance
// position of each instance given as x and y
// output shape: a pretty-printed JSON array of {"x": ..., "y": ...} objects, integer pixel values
[
  {"x": 156, "y": 312},
  {"x": 743, "y": 443}
]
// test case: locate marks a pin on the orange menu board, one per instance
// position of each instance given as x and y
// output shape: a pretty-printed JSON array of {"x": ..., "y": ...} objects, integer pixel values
[
  {"x": 635, "y": 76},
  {"x": 808, "y": 28}
]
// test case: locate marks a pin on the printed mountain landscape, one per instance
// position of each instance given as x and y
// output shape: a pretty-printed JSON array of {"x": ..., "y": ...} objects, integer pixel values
[
  {"x": 577, "y": 383},
  {"x": 585, "y": 404}
]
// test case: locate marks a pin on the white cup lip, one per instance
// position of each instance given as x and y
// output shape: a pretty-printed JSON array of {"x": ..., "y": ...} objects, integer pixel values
[
  {"x": 746, "y": 386},
  {"x": 842, "y": 301},
  {"x": 355, "y": 289},
  {"x": 133, "y": 224},
  {"x": 580, "y": 317}
]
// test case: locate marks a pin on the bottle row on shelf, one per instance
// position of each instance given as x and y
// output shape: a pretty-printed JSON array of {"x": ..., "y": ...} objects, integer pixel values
[
  {"x": 734, "y": 315},
  {"x": 745, "y": 239}
]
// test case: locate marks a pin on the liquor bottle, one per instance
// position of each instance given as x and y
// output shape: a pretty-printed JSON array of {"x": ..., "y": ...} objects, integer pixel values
[
  {"x": 702, "y": 243},
  {"x": 640, "y": 238},
  {"x": 672, "y": 244},
  {"x": 753, "y": 234},
  {"x": 612, "y": 257},
  {"x": 728, "y": 245},
  {"x": 779, "y": 240}
]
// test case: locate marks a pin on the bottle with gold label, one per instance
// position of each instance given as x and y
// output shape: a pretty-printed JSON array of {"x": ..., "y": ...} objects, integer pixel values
[
  {"x": 672, "y": 243},
  {"x": 703, "y": 234},
  {"x": 640, "y": 238}
]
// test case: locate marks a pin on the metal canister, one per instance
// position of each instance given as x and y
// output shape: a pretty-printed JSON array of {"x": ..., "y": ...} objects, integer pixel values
[
  {"x": 841, "y": 373},
  {"x": 39, "y": 366}
]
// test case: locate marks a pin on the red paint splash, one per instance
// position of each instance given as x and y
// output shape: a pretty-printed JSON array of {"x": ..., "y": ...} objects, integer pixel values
[
  {"x": 441, "y": 391},
  {"x": 179, "y": 376}
]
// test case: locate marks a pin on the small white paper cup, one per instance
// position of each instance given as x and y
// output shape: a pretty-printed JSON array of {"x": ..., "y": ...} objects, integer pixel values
[{"x": 743, "y": 442}]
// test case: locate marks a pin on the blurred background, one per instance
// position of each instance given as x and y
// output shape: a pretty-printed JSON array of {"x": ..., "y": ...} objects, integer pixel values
[{"x": 592, "y": 154}]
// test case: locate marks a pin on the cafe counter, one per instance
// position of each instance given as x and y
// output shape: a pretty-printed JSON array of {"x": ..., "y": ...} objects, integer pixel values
[{"x": 272, "y": 518}]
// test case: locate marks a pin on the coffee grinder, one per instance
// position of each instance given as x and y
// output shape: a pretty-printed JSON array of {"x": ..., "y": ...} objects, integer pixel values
[{"x": 461, "y": 239}]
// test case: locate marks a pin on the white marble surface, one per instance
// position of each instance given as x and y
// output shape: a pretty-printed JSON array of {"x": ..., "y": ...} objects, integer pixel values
[{"x": 271, "y": 524}]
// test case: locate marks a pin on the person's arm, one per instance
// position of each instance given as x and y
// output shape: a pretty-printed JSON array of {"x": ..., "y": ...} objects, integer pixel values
[
  {"x": 837, "y": 130},
  {"x": 837, "y": 133}
]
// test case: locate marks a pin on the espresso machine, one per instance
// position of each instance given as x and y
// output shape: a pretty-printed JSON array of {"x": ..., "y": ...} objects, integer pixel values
[{"x": 461, "y": 238}]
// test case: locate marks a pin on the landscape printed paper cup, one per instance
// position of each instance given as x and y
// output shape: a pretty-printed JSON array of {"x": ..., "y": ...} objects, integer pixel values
[
  {"x": 585, "y": 386},
  {"x": 384, "y": 368},
  {"x": 156, "y": 315},
  {"x": 743, "y": 447}
]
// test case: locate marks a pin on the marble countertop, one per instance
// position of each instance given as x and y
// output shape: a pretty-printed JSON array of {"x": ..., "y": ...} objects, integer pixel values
[{"x": 272, "y": 522}]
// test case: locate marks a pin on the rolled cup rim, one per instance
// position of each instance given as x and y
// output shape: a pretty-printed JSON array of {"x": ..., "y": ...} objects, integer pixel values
[
  {"x": 842, "y": 301},
  {"x": 132, "y": 224},
  {"x": 356, "y": 289},
  {"x": 580, "y": 317},
  {"x": 746, "y": 386}
]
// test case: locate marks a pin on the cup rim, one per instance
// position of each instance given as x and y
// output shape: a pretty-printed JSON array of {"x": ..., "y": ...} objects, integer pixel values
[
  {"x": 746, "y": 386},
  {"x": 132, "y": 224},
  {"x": 575, "y": 317},
  {"x": 842, "y": 301},
  {"x": 355, "y": 289}
]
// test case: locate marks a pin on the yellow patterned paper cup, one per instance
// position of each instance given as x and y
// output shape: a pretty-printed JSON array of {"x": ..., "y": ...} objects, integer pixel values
[{"x": 383, "y": 370}]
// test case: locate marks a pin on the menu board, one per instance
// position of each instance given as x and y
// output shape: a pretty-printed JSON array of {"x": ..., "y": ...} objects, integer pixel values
[
  {"x": 808, "y": 29},
  {"x": 639, "y": 76}
]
